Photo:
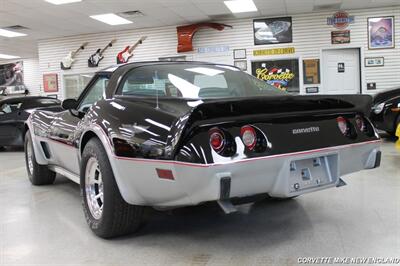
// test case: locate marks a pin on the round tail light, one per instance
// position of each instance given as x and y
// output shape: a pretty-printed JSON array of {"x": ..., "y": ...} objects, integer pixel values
[
  {"x": 361, "y": 123},
  {"x": 217, "y": 139},
  {"x": 249, "y": 136},
  {"x": 343, "y": 125}
]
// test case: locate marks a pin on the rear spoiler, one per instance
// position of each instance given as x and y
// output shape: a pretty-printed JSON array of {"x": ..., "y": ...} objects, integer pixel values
[{"x": 276, "y": 106}]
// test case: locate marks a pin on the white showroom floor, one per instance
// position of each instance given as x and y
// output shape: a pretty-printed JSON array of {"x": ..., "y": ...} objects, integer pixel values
[{"x": 45, "y": 225}]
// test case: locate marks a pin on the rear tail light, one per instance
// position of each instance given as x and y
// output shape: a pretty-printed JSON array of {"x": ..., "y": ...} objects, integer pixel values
[
  {"x": 249, "y": 136},
  {"x": 222, "y": 142},
  {"x": 217, "y": 139},
  {"x": 343, "y": 125},
  {"x": 360, "y": 121}
]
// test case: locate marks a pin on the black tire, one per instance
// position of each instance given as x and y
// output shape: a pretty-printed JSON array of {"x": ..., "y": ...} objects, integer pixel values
[
  {"x": 39, "y": 174},
  {"x": 117, "y": 217}
]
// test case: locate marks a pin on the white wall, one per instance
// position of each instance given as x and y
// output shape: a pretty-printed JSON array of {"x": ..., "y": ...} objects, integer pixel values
[
  {"x": 310, "y": 36},
  {"x": 32, "y": 74}
]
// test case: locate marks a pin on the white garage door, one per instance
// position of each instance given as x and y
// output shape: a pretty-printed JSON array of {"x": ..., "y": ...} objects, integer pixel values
[{"x": 341, "y": 71}]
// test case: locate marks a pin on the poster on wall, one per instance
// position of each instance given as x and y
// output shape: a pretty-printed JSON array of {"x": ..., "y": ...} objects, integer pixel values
[
  {"x": 12, "y": 78},
  {"x": 272, "y": 30},
  {"x": 340, "y": 36},
  {"x": 50, "y": 83},
  {"x": 283, "y": 74},
  {"x": 311, "y": 71},
  {"x": 380, "y": 33}
]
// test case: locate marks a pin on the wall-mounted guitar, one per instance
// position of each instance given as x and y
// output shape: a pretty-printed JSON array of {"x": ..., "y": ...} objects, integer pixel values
[
  {"x": 127, "y": 53},
  {"x": 67, "y": 61},
  {"x": 95, "y": 58}
]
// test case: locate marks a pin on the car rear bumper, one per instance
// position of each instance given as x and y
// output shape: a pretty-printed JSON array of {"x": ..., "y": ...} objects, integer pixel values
[{"x": 283, "y": 175}]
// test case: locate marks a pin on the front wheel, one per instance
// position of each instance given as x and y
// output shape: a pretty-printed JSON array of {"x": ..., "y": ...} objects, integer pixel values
[
  {"x": 106, "y": 212},
  {"x": 38, "y": 174}
]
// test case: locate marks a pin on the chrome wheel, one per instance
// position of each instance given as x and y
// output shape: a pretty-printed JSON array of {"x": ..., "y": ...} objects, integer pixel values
[
  {"x": 94, "y": 188},
  {"x": 29, "y": 157}
]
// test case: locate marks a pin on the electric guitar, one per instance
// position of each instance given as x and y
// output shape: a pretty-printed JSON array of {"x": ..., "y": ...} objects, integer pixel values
[
  {"x": 67, "y": 61},
  {"x": 127, "y": 53},
  {"x": 95, "y": 58}
]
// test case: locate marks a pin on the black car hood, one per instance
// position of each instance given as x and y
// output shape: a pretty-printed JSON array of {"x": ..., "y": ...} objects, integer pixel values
[{"x": 386, "y": 95}]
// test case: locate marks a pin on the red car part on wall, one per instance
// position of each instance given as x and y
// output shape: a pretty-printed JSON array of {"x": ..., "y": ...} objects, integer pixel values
[{"x": 186, "y": 33}]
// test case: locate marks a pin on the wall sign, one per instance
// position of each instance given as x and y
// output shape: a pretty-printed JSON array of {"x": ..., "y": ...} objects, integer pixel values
[
  {"x": 312, "y": 90},
  {"x": 371, "y": 86},
  {"x": 272, "y": 30},
  {"x": 241, "y": 64},
  {"x": 380, "y": 33},
  {"x": 274, "y": 51},
  {"x": 213, "y": 49},
  {"x": 374, "y": 61},
  {"x": 283, "y": 74},
  {"x": 340, "y": 67},
  {"x": 50, "y": 83},
  {"x": 340, "y": 20},
  {"x": 239, "y": 54},
  {"x": 311, "y": 71},
  {"x": 340, "y": 36}
]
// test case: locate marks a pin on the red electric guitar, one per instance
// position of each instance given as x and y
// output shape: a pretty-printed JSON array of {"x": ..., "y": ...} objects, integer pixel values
[{"x": 127, "y": 53}]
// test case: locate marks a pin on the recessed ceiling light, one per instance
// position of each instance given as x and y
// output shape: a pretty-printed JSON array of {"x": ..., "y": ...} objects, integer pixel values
[
  {"x": 62, "y": 2},
  {"x": 6, "y": 56},
  {"x": 11, "y": 34},
  {"x": 241, "y": 6},
  {"x": 111, "y": 19}
]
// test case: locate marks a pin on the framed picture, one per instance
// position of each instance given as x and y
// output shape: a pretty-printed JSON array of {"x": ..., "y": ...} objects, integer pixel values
[
  {"x": 381, "y": 33},
  {"x": 340, "y": 36},
  {"x": 50, "y": 83},
  {"x": 311, "y": 74},
  {"x": 272, "y": 30},
  {"x": 281, "y": 73},
  {"x": 241, "y": 64},
  {"x": 374, "y": 61},
  {"x": 239, "y": 54}
]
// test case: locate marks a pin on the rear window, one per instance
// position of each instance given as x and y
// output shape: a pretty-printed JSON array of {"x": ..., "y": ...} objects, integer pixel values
[{"x": 196, "y": 81}]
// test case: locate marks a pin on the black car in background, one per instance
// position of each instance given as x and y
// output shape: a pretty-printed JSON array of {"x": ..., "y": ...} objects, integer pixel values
[
  {"x": 386, "y": 110},
  {"x": 15, "y": 111}
]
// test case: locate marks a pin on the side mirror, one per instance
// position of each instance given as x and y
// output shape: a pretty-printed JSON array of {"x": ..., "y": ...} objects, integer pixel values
[{"x": 69, "y": 104}]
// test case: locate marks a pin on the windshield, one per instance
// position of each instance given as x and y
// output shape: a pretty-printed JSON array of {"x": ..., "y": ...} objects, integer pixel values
[{"x": 195, "y": 81}]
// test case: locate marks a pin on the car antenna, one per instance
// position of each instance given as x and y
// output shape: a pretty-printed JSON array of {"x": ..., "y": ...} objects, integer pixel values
[{"x": 156, "y": 77}]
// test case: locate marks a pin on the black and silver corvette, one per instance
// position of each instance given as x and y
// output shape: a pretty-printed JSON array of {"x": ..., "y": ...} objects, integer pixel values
[
  {"x": 386, "y": 110},
  {"x": 15, "y": 111},
  {"x": 170, "y": 134}
]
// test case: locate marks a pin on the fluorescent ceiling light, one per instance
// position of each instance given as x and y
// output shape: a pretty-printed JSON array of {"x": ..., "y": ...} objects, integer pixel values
[
  {"x": 62, "y": 2},
  {"x": 6, "y": 56},
  {"x": 241, "y": 6},
  {"x": 111, "y": 19},
  {"x": 10, "y": 34}
]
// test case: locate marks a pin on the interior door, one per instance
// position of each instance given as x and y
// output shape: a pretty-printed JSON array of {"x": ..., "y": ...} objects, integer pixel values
[{"x": 341, "y": 71}]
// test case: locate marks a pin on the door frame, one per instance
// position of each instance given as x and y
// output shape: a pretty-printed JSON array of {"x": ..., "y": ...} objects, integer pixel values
[{"x": 362, "y": 88}]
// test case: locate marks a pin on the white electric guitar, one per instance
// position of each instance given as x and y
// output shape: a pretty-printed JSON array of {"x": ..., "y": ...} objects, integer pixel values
[{"x": 67, "y": 61}]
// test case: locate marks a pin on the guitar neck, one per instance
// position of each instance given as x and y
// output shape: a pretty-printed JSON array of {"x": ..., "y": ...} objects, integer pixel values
[{"x": 134, "y": 46}]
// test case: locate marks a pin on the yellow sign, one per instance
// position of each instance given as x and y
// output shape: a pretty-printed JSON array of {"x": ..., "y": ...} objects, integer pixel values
[
  {"x": 274, "y": 51},
  {"x": 398, "y": 135}
]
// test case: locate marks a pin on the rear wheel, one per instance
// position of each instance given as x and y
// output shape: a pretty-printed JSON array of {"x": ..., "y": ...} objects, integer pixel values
[
  {"x": 106, "y": 212},
  {"x": 38, "y": 174}
]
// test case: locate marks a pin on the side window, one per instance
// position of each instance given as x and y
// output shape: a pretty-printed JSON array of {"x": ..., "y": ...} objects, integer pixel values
[
  {"x": 95, "y": 93},
  {"x": 9, "y": 108}
]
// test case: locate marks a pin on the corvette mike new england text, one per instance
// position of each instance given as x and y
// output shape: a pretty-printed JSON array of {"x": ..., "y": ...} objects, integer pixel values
[{"x": 349, "y": 260}]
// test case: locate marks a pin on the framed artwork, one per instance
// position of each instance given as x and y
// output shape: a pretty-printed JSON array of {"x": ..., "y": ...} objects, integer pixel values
[
  {"x": 381, "y": 33},
  {"x": 241, "y": 64},
  {"x": 340, "y": 36},
  {"x": 50, "y": 83},
  {"x": 239, "y": 54},
  {"x": 272, "y": 30},
  {"x": 311, "y": 71},
  {"x": 281, "y": 73},
  {"x": 374, "y": 61}
]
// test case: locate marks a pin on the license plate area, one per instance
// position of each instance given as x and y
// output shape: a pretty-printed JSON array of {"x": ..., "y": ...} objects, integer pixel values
[{"x": 313, "y": 172}]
